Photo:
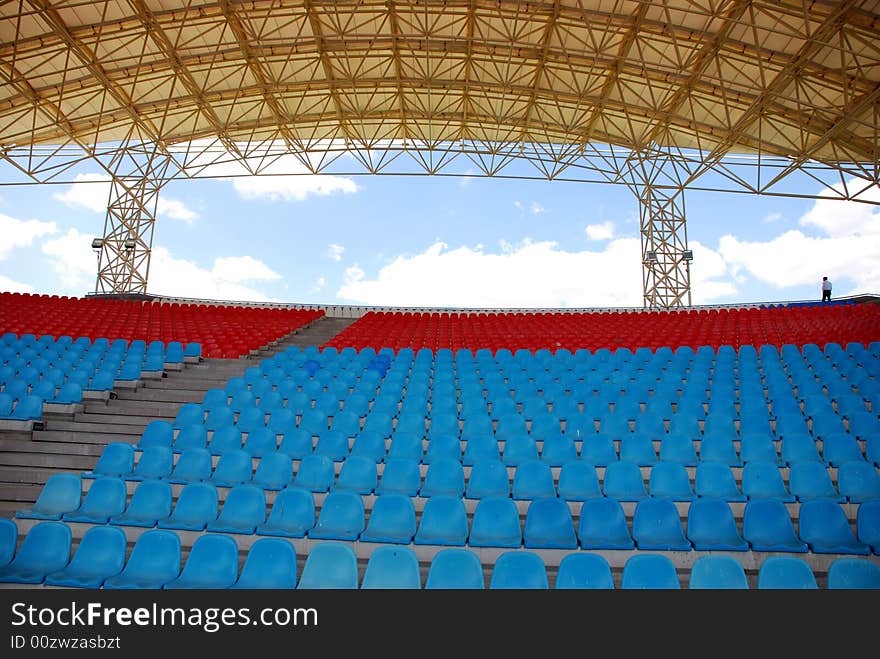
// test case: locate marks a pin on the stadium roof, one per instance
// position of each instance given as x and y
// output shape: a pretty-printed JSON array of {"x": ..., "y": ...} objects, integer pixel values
[{"x": 781, "y": 78}]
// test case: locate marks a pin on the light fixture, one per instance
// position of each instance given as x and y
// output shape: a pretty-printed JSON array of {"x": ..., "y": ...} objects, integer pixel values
[
  {"x": 129, "y": 244},
  {"x": 650, "y": 256},
  {"x": 688, "y": 255},
  {"x": 97, "y": 243}
]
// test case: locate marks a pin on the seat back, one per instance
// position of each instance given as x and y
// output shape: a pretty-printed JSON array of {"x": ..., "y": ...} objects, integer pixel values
[{"x": 270, "y": 564}]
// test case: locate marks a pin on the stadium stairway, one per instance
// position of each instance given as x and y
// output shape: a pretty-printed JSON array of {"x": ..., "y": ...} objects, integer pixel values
[{"x": 28, "y": 459}]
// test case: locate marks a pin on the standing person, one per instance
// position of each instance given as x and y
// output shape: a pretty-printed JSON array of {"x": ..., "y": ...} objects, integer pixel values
[{"x": 826, "y": 290}]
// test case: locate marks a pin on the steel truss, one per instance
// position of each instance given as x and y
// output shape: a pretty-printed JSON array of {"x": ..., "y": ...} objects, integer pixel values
[{"x": 744, "y": 96}]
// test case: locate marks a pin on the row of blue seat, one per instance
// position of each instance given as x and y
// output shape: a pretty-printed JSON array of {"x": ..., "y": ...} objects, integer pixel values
[
  {"x": 213, "y": 563},
  {"x": 174, "y": 351},
  {"x": 549, "y": 522},
  {"x": 577, "y": 479}
]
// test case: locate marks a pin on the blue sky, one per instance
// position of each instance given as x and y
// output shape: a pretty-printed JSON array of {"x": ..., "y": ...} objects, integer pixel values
[{"x": 438, "y": 241}]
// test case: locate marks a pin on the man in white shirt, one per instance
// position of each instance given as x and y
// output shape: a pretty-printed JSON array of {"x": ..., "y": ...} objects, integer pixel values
[{"x": 826, "y": 290}]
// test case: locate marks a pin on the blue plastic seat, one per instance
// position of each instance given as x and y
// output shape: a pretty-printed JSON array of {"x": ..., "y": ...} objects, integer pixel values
[
  {"x": 810, "y": 480},
  {"x": 763, "y": 480},
  {"x": 549, "y": 525},
  {"x": 260, "y": 442},
  {"x": 495, "y": 524},
  {"x": 443, "y": 447},
  {"x": 623, "y": 481},
  {"x": 224, "y": 439},
  {"x": 717, "y": 573},
  {"x": 250, "y": 419},
  {"x": 341, "y": 517},
  {"x": 841, "y": 447},
  {"x": 714, "y": 480},
  {"x": 712, "y": 527},
  {"x": 858, "y": 481},
  {"x": 233, "y": 468},
  {"x": 715, "y": 448},
  {"x": 157, "y": 433},
  {"x": 358, "y": 474},
  {"x": 274, "y": 472},
  {"x": 369, "y": 444},
  {"x": 598, "y": 450},
  {"x": 767, "y": 526},
  {"x": 799, "y": 447},
  {"x": 190, "y": 436},
  {"x": 196, "y": 506},
  {"x": 99, "y": 556},
  {"x": 519, "y": 570},
  {"x": 558, "y": 449},
  {"x": 400, "y": 476},
  {"x": 853, "y": 573},
  {"x": 478, "y": 449},
  {"x": 443, "y": 522},
  {"x": 519, "y": 448},
  {"x": 8, "y": 541},
  {"x": 405, "y": 445},
  {"x": 456, "y": 569},
  {"x": 392, "y": 519},
  {"x": 243, "y": 510},
  {"x": 670, "y": 480},
  {"x": 392, "y": 568},
  {"x": 44, "y": 550},
  {"x": 578, "y": 481},
  {"x": 868, "y": 524},
  {"x": 292, "y": 514},
  {"x": 444, "y": 477},
  {"x": 150, "y": 502},
  {"x": 638, "y": 449},
  {"x": 282, "y": 421},
  {"x": 219, "y": 417},
  {"x": 103, "y": 500},
  {"x": 271, "y": 563},
  {"x": 533, "y": 480},
  {"x": 332, "y": 444},
  {"x": 315, "y": 473},
  {"x": 330, "y": 565},
  {"x": 823, "y": 525},
  {"x": 649, "y": 572},
  {"x": 28, "y": 408},
  {"x": 154, "y": 462},
  {"x": 154, "y": 562},
  {"x": 193, "y": 465},
  {"x": 785, "y": 573},
  {"x": 758, "y": 448},
  {"x": 488, "y": 478},
  {"x": 584, "y": 571},
  {"x": 212, "y": 563},
  {"x": 657, "y": 526},
  {"x": 677, "y": 448},
  {"x": 61, "y": 494},
  {"x": 297, "y": 443},
  {"x": 602, "y": 525}
]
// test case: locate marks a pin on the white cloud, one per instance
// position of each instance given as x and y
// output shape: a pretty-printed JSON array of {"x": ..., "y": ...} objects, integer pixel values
[
  {"x": 75, "y": 263},
  {"x": 12, "y": 286},
  {"x": 353, "y": 274},
  {"x": 16, "y": 233},
  {"x": 292, "y": 188},
  {"x": 770, "y": 218},
  {"x": 242, "y": 268},
  {"x": 335, "y": 252},
  {"x": 532, "y": 274},
  {"x": 92, "y": 191},
  {"x": 319, "y": 285},
  {"x": 536, "y": 208},
  {"x": 848, "y": 248},
  {"x": 518, "y": 205},
  {"x": 604, "y": 231},
  {"x": 73, "y": 260}
]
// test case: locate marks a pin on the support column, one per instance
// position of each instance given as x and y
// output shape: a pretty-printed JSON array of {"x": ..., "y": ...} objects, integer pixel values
[
  {"x": 655, "y": 179},
  {"x": 139, "y": 172}
]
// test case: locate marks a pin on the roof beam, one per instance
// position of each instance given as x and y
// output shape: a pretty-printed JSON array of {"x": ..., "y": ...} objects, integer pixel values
[
  {"x": 543, "y": 47},
  {"x": 90, "y": 60},
  {"x": 157, "y": 34}
]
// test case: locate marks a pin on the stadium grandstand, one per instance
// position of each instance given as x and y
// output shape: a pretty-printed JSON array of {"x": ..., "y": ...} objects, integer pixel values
[{"x": 152, "y": 442}]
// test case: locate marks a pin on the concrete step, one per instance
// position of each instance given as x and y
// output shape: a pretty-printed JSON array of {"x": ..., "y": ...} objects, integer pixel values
[
  {"x": 66, "y": 448},
  {"x": 87, "y": 437}
]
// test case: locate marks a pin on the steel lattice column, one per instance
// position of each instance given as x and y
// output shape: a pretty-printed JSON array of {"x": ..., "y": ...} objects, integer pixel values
[
  {"x": 124, "y": 258},
  {"x": 666, "y": 278}
]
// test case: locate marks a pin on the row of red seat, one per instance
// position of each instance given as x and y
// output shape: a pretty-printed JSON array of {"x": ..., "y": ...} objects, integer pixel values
[
  {"x": 223, "y": 331},
  {"x": 651, "y": 329}
]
